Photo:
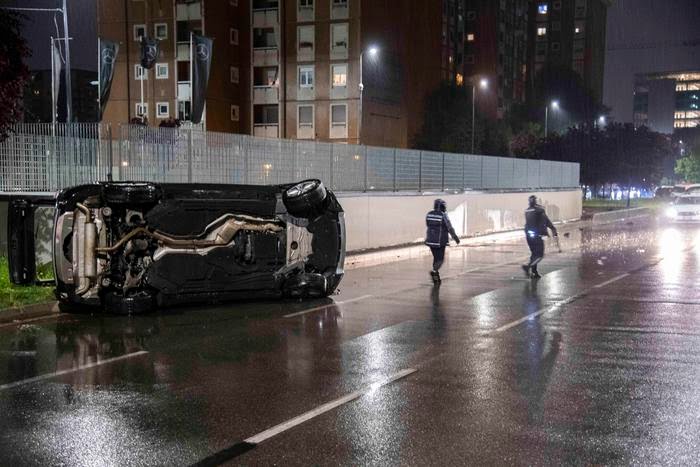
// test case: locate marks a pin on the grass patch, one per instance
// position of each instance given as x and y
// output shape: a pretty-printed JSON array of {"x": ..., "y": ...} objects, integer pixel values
[{"x": 14, "y": 295}]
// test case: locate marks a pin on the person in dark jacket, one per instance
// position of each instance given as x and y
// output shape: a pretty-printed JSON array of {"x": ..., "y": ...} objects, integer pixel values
[
  {"x": 437, "y": 236},
  {"x": 536, "y": 225}
]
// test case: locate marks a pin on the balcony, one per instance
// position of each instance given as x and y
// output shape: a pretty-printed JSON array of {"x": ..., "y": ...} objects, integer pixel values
[
  {"x": 183, "y": 91},
  {"x": 266, "y": 130},
  {"x": 265, "y": 18},
  {"x": 265, "y": 95},
  {"x": 267, "y": 56}
]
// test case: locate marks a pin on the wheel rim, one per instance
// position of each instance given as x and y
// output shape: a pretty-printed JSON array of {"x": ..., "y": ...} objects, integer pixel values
[{"x": 301, "y": 188}]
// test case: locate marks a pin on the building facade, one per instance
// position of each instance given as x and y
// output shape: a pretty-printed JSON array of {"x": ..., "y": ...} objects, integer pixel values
[
  {"x": 666, "y": 101},
  {"x": 496, "y": 50},
  {"x": 166, "y": 88},
  {"x": 571, "y": 34}
]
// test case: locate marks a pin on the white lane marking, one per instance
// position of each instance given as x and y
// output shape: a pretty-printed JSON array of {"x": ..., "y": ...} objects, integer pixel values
[
  {"x": 614, "y": 279},
  {"x": 282, "y": 427},
  {"x": 558, "y": 304},
  {"x": 72, "y": 370},
  {"x": 323, "y": 307}
]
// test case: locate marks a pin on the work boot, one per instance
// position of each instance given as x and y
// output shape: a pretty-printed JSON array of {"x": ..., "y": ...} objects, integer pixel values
[
  {"x": 526, "y": 268},
  {"x": 433, "y": 276},
  {"x": 535, "y": 274}
]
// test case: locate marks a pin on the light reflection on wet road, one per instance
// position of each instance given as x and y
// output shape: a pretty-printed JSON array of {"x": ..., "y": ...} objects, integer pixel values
[{"x": 598, "y": 362}]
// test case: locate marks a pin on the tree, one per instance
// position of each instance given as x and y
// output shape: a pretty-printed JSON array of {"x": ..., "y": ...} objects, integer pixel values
[
  {"x": 688, "y": 167},
  {"x": 447, "y": 120},
  {"x": 14, "y": 73}
]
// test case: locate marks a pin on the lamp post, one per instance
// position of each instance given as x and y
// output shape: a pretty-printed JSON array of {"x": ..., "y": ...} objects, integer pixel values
[
  {"x": 483, "y": 84},
  {"x": 555, "y": 106},
  {"x": 373, "y": 51}
]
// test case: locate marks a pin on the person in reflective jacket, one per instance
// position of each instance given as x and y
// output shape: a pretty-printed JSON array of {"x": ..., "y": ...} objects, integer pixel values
[
  {"x": 536, "y": 225},
  {"x": 437, "y": 236}
]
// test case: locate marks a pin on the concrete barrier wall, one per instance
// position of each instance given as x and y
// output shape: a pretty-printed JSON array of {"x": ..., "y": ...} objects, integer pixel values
[
  {"x": 620, "y": 215},
  {"x": 377, "y": 220}
]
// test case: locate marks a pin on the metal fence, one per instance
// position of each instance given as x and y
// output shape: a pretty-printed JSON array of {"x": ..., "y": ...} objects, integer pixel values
[{"x": 44, "y": 157}]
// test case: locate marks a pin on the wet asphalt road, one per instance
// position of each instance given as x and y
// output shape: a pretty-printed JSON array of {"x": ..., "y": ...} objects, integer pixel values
[{"x": 596, "y": 363}]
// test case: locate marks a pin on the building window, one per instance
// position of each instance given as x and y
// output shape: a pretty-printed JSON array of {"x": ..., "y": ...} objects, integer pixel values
[
  {"x": 306, "y": 76},
  {"x": 578, "y": 28},
  {"x": 265, "y": 76},
  {"x": 305, "y": 116},
  {"x": 339, "y": 115},
  {"x": 233, "y": 2},
  {"x": 233, "y": 33},
  {"x": 542, "y": 31},
  {"x": 471, "y": 15},
  {"x": 340, "y": 2},
  {"x": 162, "y": 71},
  {"x": 542, "y": 9},
  {"x": 235, "y": 74},
  {"x": 556, "y": 25},
  {"x": 556, "y": 46},
  {"x": 139, "y": 31},
  {"x": 339, "y": 75},
  {"x": 141, "y": 110},
  {"x": 235, "y": 113},
  {"x": 161, "y": 31},
  {"x": 305, "y": 39},
  {"x": 140, "y": 73},
  {"x": 469, "y": 59},
  {"x": 163, "y": 110},
  {"x": 470, "y": 37},
  {"x": 339, "y": 37},
  {"x": 266, "y": 115},
  {"x": 264, "y": 38},
  {"x": 306, "y": 4},
  {"x": 557, "y": 5}
]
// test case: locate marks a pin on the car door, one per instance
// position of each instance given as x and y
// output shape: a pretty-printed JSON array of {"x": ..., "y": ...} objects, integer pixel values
[{"x": 30, "y": 224}]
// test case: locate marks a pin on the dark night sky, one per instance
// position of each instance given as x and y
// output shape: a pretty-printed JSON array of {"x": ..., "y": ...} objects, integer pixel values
[
  {"x": 648, "y": 36},
  {"x": 39, "y": 27}
]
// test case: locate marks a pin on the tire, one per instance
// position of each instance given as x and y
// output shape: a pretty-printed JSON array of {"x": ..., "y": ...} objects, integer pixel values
[
  {"x": 141, "y": 302},
  {"x": 306, "y": 285},
  {"x": 131, "y": 193},
  {"x": 305, "y": 199}
]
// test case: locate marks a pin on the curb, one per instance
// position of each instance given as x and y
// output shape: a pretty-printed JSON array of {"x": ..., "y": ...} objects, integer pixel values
[
  {"x": 620, "y": 215},
  {"x": 362, "y": 259},
  {"x": 24, "y": 313}
]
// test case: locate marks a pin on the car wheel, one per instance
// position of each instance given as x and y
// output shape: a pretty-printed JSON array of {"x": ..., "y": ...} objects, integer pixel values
[
  {"x": 306, "y": 285},
  {"x": 132, "y": 193},
  {"x": 141, "y": 302},
  {"x": 305, "y": 198}
]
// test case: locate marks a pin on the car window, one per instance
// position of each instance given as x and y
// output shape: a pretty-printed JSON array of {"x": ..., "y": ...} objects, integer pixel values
[
  {"x": 688, "y": 200},
  {"x": 43, "y": 236}
]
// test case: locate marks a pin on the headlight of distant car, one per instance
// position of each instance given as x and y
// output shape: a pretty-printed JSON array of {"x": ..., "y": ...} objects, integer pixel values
[{"x": 671, "y": 212}]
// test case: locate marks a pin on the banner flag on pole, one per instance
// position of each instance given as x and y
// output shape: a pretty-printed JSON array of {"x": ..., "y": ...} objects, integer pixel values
[
  {"x": 56, "y": 63},
  {"x": 108, "y": 58},
  {"x": 149, "y": 52},
  {"x": 201, "y": 67}
]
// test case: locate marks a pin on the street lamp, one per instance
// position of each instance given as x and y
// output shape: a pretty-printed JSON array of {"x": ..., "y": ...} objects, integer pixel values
[
  {"x": 483, "y": 85},
  {"x": 555, "y": 106},
  {"x": 373, "y": 51}
]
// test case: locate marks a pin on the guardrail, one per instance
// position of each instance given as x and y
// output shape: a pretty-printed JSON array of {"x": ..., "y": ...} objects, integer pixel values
[{"x": 46, "y": 157}]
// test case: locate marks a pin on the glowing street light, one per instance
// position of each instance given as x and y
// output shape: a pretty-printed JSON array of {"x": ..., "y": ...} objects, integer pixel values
[
  {"x": 483, "y": 85},
  {"x": 555, "y": 106},
  {"x": 373, "y": 51}
]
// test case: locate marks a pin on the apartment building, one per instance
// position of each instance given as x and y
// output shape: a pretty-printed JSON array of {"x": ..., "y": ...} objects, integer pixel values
[
  {"x": 166, "y": 87},
  {"x": 570, "y": 33},
  {"x": 290, "y": 68},
  {"x": 666, "y": 101},
  {"x": 310, "y": 59},
  {"x": 496, "y": 49}
]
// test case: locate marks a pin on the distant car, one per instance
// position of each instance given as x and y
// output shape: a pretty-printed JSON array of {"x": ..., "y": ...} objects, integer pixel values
[
  {"x": 663, "y": 192},
  {"x": 129, "y": 247},
  {"x": 685, "y": 208},
  {"x": 695, "y": 188}
]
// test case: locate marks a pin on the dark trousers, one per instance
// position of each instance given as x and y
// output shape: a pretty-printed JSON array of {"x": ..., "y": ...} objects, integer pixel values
[
  {"x": 536, "y": 245},
  {"x": 438, "y": 256}
]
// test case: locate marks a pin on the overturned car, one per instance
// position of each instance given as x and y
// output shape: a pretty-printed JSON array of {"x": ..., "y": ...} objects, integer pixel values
[{"x": 131, "y": 246}]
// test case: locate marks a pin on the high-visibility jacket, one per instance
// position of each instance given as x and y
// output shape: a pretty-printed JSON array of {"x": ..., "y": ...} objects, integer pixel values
[
  {"x": 537, "y": 222},
  {"x": 439, "y": 229}
]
